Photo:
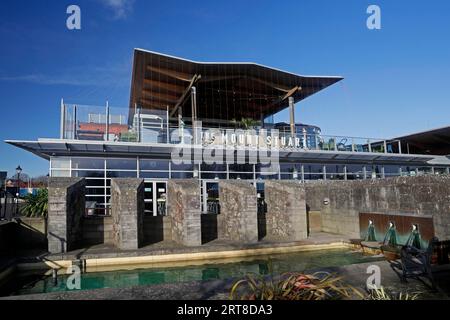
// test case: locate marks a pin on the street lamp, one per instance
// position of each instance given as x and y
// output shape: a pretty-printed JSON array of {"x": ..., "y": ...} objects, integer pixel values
[{"x": 18, "y": 171}]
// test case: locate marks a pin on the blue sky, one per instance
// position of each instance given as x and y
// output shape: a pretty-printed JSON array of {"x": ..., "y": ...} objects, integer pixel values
[{"x": 396, "y": 78}]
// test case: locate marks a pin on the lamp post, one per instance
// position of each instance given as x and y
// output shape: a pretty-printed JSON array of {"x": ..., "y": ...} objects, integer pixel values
[{"x": 18, "y": 171}]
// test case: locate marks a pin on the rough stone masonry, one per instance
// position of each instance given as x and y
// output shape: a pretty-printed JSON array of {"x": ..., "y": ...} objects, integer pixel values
[
  {"x": 66, "y": 206},
  {"x": 238, "y": 218},
  {"x": 286, "y": 211},
  {"x": 127, "y": 211},
  {"x": 184, "y": 211}
]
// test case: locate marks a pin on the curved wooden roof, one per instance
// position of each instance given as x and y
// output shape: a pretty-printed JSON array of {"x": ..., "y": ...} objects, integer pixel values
[{"x": 224, "y": 90}]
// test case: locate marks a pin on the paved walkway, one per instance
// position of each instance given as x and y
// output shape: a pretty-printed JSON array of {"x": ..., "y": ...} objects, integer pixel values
[{"x": 166, "y": 247}]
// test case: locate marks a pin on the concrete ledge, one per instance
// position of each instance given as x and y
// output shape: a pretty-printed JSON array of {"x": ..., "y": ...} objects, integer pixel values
[{"x": 181, "y": 258}]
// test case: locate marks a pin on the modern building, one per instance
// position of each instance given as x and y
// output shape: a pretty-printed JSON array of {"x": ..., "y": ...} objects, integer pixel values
[{"x": 235, "y": 103}]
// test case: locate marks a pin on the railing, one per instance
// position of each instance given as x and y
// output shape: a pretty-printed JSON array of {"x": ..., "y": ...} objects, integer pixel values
[{"x": 93, "y": 123}]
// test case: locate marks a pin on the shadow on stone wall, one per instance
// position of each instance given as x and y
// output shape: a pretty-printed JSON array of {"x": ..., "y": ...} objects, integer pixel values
[
  {"x": 262, "y": 225},
  {"x": 96, "y": 230},
  {"x": 153, "y": 229},
  {"x": 209, "y": 227},
  {"x": 23, "y": 234}
]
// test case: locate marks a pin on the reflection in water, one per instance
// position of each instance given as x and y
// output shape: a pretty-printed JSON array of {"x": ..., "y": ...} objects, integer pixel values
[{"x": 275, "y": 264}]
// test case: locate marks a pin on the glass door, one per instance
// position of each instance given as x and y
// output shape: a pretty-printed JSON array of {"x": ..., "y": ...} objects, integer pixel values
[
  {"x": 155, "y": 198},
  {"x": 161, "y": 198},
  {"x": 148, "y": 198},
  {"x": 210, "y": 195}
]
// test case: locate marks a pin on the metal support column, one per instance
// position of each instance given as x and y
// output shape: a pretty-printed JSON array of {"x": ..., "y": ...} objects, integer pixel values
[
  {"x": 63, "y": 120},
  {"x": 292, "y": 115},
  {"x": 194, "y": 112}
]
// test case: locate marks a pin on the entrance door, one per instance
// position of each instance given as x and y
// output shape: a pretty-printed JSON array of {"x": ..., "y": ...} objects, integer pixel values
[
  {"x": 155, "y": 198},
  {"x": 210, "y": 197}
]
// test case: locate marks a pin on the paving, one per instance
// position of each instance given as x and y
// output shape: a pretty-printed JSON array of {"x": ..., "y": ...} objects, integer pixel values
[{"x": 169, "y": 247}]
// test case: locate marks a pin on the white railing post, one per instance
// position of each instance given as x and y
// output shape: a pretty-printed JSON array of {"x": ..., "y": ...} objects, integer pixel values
[
  {"x": 107, "y": 122},
  {"x": 62, "y": 127}
]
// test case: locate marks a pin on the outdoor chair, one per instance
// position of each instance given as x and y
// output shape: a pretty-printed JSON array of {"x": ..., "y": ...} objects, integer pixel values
[{"x": 415, "y": 263}]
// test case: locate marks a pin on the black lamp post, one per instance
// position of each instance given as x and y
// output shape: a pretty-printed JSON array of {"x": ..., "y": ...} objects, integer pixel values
[{"x": 18, "y": 171}]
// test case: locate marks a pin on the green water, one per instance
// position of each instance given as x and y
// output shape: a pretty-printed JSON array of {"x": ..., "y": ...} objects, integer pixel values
[{"x": 32, "y": 284}]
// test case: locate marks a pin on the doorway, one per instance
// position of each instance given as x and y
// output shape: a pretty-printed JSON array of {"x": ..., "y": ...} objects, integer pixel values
[
  {"x": 155, "y": 198},
  {"x": 210, "y": 196}
]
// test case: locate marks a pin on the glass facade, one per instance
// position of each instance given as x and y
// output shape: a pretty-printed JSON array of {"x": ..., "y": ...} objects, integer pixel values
[{"x": 98, "y": 173}]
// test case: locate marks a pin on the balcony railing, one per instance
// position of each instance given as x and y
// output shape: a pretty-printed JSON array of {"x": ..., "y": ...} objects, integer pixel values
[{"x": 93, "y": 123}]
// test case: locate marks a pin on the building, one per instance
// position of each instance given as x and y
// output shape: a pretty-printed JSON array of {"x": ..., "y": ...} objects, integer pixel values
[
  {"x": 3, "y": 175},
  {"x": 213, "y": 108}
]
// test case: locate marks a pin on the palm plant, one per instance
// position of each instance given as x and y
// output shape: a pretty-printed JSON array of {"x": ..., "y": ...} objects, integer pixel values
[
  {"x": 245, "y": 123},
  {"x": 36, "y": 205}
]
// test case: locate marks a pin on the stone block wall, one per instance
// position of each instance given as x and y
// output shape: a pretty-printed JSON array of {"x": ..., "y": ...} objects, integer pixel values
[
  {"x": 238, "y": 219},
  {"x": 97, "y": 230},
  {"x": 127, "y": 212},
  {"x": 66, "y": 207},
  {"x": 421, "y": 196},
  {"x": 286, "y": 211},
  {"x": 157, "y": 229},
  {"x": 184, "y": 210}
]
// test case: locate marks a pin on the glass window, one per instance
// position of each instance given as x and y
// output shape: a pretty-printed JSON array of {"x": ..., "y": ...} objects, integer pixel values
[
  {"x": 182, "y": 167},
  {"x": 60, "y": 163},
  {"x": 88, "y": 174},
  {"x": 313, "y": 171},
  {"x": 88, "y": 163},
  {"x": 60, "y": 173},
  {"x": 154, "y": 175},
  {"x": 391, "y": 171},
  {"x": 121, "y": 174},
  {"x": 440, "y": 171},
  {"x": 335, "y": 172},
  {"x": 121, "y": 164},
  {"x": 182, "y": 175},
  {"x": 409, "y": 171},
  {"x": 161, "y": 165}
]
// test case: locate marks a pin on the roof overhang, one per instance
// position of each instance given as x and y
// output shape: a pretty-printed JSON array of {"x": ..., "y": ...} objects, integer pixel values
[
  {"x": 162, "y": 82},
  {"x": 47, "y": 148}
]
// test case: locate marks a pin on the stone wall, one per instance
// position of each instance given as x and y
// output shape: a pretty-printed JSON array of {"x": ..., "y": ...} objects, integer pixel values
[
  {"x": 7, "y": 234},
  {"x": 286, "y": 211},
  {"x": 97, "y": 230},
  {"x": 157, "y": 229},
  {"x": 127, "y": 212},
  {"x": 209, "y": 227},
  {"x": 421, "y": 196},
  {"x": 31, "y": 233},
  {"x": 184, "y": 210},
  {"x": 66, "y": 207},
  {"x": 238, "y": 220}
]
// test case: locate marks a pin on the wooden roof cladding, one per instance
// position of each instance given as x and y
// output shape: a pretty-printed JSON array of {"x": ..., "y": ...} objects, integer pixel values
[{"x": 224, "y": 90}]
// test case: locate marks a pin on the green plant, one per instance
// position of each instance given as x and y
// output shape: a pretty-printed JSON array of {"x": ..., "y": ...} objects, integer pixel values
[
  {"x": 293, "y": 286},
  {"x": 36, "y": 205},
  {"x": 245, "y": 123},
  {"x": 383, "y": 294}
]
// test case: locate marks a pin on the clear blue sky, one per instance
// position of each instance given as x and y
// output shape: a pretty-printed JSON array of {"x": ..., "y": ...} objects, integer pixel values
[{"x": 396, "y": 79}]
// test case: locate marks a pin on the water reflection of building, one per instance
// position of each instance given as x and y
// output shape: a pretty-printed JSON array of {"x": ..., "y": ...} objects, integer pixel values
[{"x": 169, "y": 94}]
